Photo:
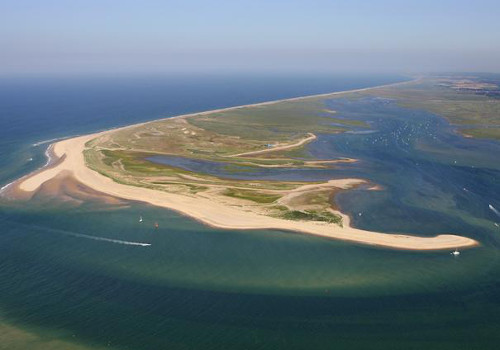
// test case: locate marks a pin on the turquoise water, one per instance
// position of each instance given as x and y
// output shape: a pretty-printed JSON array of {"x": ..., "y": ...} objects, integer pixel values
[{"x": 92, "y": 275}]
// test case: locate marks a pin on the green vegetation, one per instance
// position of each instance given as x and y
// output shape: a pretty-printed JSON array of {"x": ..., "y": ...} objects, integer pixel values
[
  {"x": 324, "y": 216},
  {"x": 243, "y": 139},
  {"x": 289, "y": 119},
  {"x": 273, "y": 135},
  {"x": 254, "y": 196}
]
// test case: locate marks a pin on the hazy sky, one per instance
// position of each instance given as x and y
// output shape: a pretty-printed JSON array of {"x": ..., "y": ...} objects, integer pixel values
[{"x": 387, "y": 35}]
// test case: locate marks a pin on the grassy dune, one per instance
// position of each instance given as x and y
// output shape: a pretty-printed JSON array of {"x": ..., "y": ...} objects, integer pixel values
[{"x": 221, "y": 137}]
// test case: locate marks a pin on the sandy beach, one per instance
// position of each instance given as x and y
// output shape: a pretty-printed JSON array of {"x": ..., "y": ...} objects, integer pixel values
[{"x": 71, "y": 160}]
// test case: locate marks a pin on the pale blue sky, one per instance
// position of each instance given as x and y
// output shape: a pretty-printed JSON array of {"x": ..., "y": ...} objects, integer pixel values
[{"x": 153, "y": 35}]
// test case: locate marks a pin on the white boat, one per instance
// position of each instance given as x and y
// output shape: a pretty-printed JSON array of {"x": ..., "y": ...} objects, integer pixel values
[
  {"x": 455, "y": 253},
  {"x": 140, "y": 218}
]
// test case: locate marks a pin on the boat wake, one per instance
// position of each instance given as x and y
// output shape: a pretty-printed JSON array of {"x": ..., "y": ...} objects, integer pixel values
[
  {"x": 493, "y": 209},
  {"x": 95, "y": 238},
  {"x": 117, "y": 241}
]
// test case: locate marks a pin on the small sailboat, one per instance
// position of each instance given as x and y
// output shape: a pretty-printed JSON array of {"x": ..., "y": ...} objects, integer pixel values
[
  {"x": 455, "y": 253},
  {"x": 140, "y": 218}
]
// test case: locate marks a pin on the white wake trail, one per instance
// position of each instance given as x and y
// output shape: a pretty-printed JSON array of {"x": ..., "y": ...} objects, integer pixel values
[
  {"x": 95, "y": 238},
  {"x": 117, "y": 241},
  {"x": 493, "y": 209}
]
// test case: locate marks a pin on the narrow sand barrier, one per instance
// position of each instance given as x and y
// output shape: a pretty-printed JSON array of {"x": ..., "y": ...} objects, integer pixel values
[
  {"x": 219, "y": 215},
  {"x": 71, "y": 159}
]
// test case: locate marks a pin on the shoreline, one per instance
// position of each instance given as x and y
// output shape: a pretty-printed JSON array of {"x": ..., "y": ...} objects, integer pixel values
[{"x": 69, "y": 153}]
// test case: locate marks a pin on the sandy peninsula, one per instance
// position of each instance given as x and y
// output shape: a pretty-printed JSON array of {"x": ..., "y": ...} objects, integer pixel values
[{"x": 70, "y": 154}]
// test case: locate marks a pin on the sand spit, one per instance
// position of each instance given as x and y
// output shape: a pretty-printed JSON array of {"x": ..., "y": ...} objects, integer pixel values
[
  {"x": 309, "y": 138},
  {"x": 216, "y": 214},
  {"x": 71, "y": 161}
]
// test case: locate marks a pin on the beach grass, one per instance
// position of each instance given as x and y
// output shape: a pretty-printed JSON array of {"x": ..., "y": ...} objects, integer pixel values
[{"x": 253, "y": 196}]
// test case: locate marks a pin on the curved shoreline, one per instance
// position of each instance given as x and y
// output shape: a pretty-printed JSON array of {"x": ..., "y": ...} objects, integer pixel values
[{"x": 71, "y": 159}]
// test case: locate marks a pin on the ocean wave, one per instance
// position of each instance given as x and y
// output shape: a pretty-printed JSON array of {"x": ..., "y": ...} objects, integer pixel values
[
  {"x": 49, "y": 161},
  {"x": 36, "y": 144},
  {"x": 49, "y": 157},
  {"x": 3, "y": 188},
  {"x": 39, "y": 143}
]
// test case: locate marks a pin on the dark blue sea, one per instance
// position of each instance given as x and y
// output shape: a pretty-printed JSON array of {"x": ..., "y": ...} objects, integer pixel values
[{"x": 67, "y": 280}]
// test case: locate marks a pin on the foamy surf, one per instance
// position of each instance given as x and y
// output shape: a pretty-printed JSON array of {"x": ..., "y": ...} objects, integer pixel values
[
  {"x": 48, "y": 156},
  {"x": 39, "y": 143},
  {"x": 36, "y": 144},
  {"x": 3, "y": 188}
]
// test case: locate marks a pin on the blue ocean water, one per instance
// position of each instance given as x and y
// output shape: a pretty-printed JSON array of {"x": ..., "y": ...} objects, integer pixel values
[{"x": 92, "y": 276}]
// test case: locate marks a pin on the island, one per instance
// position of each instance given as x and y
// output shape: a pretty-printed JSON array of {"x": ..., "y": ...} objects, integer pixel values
[{"x": 206, "y": 165}]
